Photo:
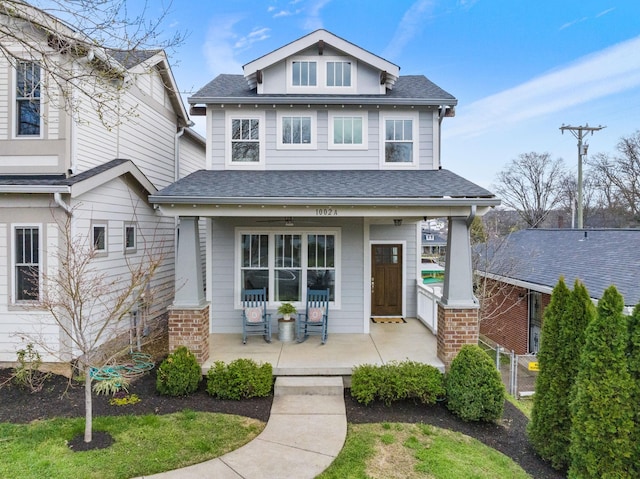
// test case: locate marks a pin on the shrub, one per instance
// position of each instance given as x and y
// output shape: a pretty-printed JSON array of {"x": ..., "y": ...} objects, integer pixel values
[
  {"x": 27, "y": 373},
  {"x": 396, "y": 381},
  {"x": 179, "y": 374},
  {"x": 474, "y": 388},
  {"x": 242, "y": 378},
  {"x": 634, "y": 370},
  {"x": 601, "y": 444}
]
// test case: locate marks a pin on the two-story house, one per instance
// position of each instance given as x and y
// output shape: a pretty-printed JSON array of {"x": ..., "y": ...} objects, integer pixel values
[
  {"x": 322, "y": 160},
  {"x": 59, "y": 159}
]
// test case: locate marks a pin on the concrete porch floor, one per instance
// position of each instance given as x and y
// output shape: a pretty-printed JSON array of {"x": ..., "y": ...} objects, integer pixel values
[{"x": 386, "y": 342}]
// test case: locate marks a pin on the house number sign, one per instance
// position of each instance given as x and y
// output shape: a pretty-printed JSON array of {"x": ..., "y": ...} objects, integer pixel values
[{"x": 326, "y": 212}]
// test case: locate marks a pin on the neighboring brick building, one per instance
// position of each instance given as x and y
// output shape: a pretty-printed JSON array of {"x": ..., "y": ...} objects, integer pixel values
[{"x": 523, "y": 270}]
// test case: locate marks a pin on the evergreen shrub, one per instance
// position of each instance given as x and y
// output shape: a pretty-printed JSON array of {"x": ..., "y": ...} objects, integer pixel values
[
  {"x": 474, "y": 388},
  {"x": 240, "y": 379},
  {"x": 179, "y": 374},
  {"x": 396, "y": 381}
]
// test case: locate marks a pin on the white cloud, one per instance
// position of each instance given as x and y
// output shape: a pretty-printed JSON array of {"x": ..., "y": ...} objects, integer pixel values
[
  {"x": 218, "y": 48},
  {"x": 573, "y": 22},
  {"x": 313, "y": 20},
  {"x": 410, "y": 25},
  {"x": 612, "y": 70},
  {"x": 256, "y": 35}
]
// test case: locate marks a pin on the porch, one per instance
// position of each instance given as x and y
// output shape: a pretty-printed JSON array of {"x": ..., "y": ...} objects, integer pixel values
[{"x": 385, "y": 343}]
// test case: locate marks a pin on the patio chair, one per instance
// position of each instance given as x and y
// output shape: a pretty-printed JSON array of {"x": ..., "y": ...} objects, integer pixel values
[
  {"x": 255, "y": 319},
  {"x": 315, "y": 318}
]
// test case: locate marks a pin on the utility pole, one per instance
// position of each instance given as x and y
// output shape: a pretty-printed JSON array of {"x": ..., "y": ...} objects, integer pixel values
[{"x": 579, "y": 133}]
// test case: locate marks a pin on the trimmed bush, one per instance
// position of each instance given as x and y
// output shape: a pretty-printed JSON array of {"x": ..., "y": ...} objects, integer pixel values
[
  {"x": 601, "y": 444},
  {"x": 396, "y": 381},
  {"x": 179, "y": 374},
  {"x": 474, "y": 388},
  {"x": 240, "y": 379},
  {"x": 634, "y": 370}
]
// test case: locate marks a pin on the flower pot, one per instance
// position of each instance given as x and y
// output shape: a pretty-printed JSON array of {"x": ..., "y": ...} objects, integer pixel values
[{"x": 286, "y": 329}]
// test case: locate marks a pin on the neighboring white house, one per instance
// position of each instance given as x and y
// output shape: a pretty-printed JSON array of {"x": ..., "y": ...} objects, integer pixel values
[
  {"x": 58, "y": 158},
  {"x": 322, "y": 161}
]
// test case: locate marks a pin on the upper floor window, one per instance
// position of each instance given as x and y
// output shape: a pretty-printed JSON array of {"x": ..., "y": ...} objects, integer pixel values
[
  {"x": 304, "y": 73},
  {"x": 348, "y": 130},
  {"x": 245, "y": 143},
  {"x": 400, "y": 140},
  {"x": 28, "y": 99},
  {"x": 130, "y": 238},
  {"x": 338, "y": 73},
  {"x": 99, "y": 237},
  {"x": 296, "y": 130},
  {"x": 27, "y": 263}
]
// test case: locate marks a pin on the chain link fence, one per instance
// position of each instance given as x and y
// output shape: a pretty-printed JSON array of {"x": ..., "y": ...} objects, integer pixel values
[{"x": 518, "y": 371}]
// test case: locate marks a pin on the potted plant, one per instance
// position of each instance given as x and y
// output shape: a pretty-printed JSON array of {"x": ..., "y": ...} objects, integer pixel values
[{"x": 286, "y": 310}]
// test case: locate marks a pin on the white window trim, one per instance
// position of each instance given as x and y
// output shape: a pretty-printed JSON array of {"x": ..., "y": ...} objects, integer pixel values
[
  {"x": 14, "y": 105},
  {"x": 100, "y": 224},
  {"x": 313, "y": 145},
  {"x": 242, "y": 165},
  {"x": 134, "y": 248},
  {"x": 14, "y": 292},
  {"x": 365, "y": 130},
  {"x": 321, "y": 75},
  {"x": 300, "y": 305},
  {"x": 415, "y": 133}
]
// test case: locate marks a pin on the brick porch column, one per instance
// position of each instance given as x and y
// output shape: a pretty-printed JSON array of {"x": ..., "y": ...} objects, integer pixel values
[
  {"x": 190, "y": 327},
  {"x": 189, "y": 315},
  {"x": 456, "y": 327}
]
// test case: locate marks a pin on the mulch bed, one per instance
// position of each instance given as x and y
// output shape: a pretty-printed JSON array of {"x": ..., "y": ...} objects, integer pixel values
[{"x": 59, "y": 398}]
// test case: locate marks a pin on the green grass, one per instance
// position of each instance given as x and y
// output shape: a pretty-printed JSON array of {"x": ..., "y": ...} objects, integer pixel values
[
  {"x": 525, "y": 405},
  {"x": 414, "y": 451},
  {"x": 143, "y": 445}
]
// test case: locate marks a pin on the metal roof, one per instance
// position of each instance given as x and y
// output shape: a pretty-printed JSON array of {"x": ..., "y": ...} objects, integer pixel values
[{"x": 599, "y": 258}]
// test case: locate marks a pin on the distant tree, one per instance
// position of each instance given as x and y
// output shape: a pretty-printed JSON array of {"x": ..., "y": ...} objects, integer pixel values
[
  {"x": 634, "y": 370},
  {"x": 601, "y": 445},
  {"x": 531, "y": 184},
  {"x": 548, "y": 430},
  {"x": 83, "y": 47},
  {"x": 618, "y": 179}
]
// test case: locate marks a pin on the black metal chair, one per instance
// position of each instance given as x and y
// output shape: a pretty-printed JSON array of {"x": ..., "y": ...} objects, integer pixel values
[
  {"x": 255, "y": 319},
  {"x": 316, "y": 316}
]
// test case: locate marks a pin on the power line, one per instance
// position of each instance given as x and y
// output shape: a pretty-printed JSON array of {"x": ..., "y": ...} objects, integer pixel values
[{"x": 579, "y": 133}]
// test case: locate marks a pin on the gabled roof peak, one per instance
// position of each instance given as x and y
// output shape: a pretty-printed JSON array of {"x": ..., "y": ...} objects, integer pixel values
[{"x": 320, "y": 37}]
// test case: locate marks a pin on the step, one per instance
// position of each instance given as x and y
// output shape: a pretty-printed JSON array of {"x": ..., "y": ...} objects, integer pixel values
[{"x": 307, "y": 385}]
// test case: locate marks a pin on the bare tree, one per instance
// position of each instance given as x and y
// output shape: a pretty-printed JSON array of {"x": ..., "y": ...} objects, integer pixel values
[
  {"x": 87, "y": 304},
  {"x": 531, "y": 184},
  {"x": 84, "y": 48},
  {"x": 618, "y": 179}
]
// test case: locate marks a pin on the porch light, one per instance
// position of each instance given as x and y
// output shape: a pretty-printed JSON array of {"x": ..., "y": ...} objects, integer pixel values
[
  {"x": 397, "y": 221},
  {"x": 288, "y": 221}
]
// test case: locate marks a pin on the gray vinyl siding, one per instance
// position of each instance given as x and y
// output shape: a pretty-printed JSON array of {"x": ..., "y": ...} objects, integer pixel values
[
  {"x": 322, "y": 158},
  {"x": 225, "y": 316}
]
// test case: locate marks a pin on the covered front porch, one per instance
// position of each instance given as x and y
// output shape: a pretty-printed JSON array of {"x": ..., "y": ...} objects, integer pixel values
[{"x": 385, "y": 343}]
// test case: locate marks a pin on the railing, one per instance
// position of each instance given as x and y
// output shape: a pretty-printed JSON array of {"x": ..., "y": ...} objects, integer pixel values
[{"x": 428, "y": 296}]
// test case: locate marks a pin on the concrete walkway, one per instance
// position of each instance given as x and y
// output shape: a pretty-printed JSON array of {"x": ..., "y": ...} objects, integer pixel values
[{"x": 304, "y": 434}]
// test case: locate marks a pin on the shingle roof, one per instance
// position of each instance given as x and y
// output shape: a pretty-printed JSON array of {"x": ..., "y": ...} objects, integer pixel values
[
  {"x": 210, "y": 185},
  {"x": 235, "y": 87},
  {"x": 599, "y": 258},
  {"x": 57, "y": 180}
]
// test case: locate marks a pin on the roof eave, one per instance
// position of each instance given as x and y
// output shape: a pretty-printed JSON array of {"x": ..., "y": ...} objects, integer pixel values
[
  {"x": 34, "y": 189},
  {"x": 322, "y": 100}
]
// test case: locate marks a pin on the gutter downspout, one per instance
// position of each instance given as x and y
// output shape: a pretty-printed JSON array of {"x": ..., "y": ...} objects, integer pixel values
[
  {"x": 471, "y": 216},
  {"x": 176, "y": 153},
  {"x": 441, "y": 116},
  {"x": 57, "y": 197}
]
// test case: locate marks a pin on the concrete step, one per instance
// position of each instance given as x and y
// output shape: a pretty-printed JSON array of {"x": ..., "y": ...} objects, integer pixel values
[{"x": 307, "y": 385}]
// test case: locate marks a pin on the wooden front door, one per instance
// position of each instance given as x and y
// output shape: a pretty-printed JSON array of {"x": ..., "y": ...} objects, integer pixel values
[{"x": 386, "y": 280}]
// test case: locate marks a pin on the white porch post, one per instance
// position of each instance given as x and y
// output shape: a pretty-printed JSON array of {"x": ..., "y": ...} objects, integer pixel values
[
  {"x": 189, "y": 286},
  {"x": 458, "y": 309}
]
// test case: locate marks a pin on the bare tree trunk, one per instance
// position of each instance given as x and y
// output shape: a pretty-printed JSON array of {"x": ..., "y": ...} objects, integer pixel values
[{"x": 88, "y": 405}]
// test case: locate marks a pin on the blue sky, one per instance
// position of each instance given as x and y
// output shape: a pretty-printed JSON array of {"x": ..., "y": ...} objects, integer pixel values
[{"x": 519, "y": 69}]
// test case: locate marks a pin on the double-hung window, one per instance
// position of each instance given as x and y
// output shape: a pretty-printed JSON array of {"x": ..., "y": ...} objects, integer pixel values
[
  {"x": 27, "y": 263},
  {"x": 400, "y": 140},
  {"x": 130, "y": 238},
  {"x": 99, "y": 237},
  {"x": 27, "y": 99},
  {"x": 245, "y": 139},
  {"x": 348, "y": 131},
  {"x": 296, "y": 130},
  {"x": 338, "y": 73},
  {"x": 288, "y": 263}
]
